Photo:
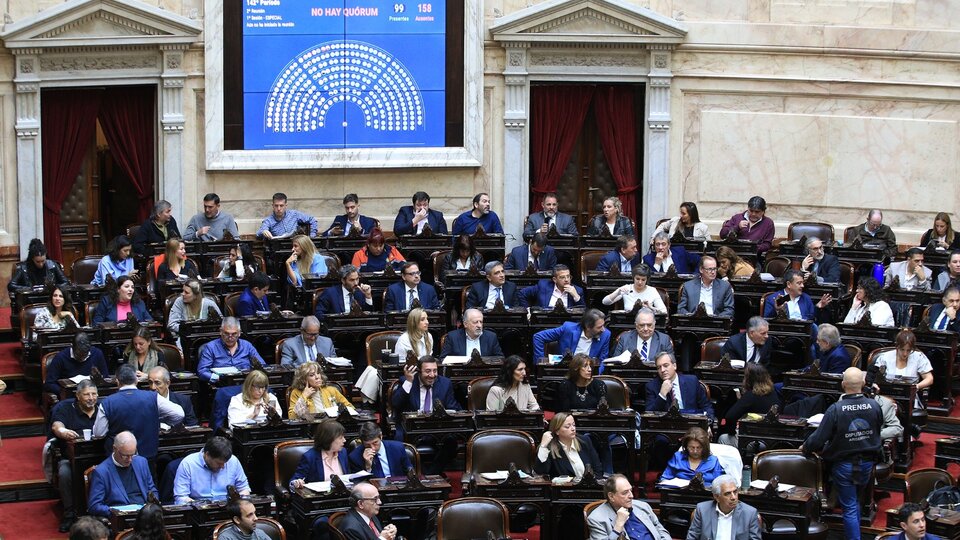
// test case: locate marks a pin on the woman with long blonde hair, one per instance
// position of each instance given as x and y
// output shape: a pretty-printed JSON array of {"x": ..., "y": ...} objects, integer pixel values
[
  {"x": 417, "y": 338},
  {"x": 311, "y": 393},
  {"x": 303, "y": 256}
]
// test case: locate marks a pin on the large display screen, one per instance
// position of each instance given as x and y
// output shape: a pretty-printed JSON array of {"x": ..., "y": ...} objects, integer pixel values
[{"x": 343, "y": 74}]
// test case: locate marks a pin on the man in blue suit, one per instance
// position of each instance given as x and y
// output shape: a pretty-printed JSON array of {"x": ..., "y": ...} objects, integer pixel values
[
  {"x": 588, "y": 336},
  {"x": 538, "y": 253},
  {"x": 943, "y": 316},
  {"x": 412, "y": 219},
  {"x": 351, "y": 219},
  {"x": 472, "y": 336},
  {"x": 121, "y": 479},
  {"x": 824, "y": 265},
  {"x": 798, "y": 304},
  {"x": 540, "y": 222},
  {"x": 833, "y": 356},
  {"x": 625, "y": 256},
  {"x": 547, "y": 292},
  {"x": 685, "y": 389},
  {"x": 753, "y": 345},
  {"x": 381, "y": 458},
  {"x": 720, "y": 300},
  {"x": 420, "y": 388},
  {"x": 484, "y": 294},
  {"x": 400, "y": 295},
  {"x": 664, "y": 256},
  {"x": 336, "y": 300},
  {"x": 253, "y": 299}
]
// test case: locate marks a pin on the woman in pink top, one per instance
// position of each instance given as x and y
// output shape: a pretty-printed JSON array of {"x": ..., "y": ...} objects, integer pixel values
[{"x": 119, "y": 300}]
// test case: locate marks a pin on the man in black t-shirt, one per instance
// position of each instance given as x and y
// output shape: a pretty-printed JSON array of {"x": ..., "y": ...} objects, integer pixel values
[{"x": 68, "y": 420}]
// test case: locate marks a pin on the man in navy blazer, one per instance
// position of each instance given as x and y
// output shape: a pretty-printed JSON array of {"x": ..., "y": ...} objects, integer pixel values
[
  {"x": 752, "y": 345},
  {"x": 373, "y": 453},
  {"x": 398, "y": 296},
  {"x": 661, "y": 392},
  {"x": 121, "y": 479},
  {"x": 455, "y": 343},
  {"x": 833, "y": 356},
  {"x": 351, "y": 219},
  {"x": 943, "y": 316},
  {"x": 799, "y": 306},
  {"x": 420, "y": 388},
  {"x": 625, "y": 256},
  {"x": 589, "y": 336},
  {"x": 721, "y": 299},
  {"x": 664, "y": 256},
  {"x": 824, "y": 265},
  {"x": 412, "y": 219},
  {"x": 333, "y": 299},
  {"x": 544, "y": 257},
  {"x": 547, "y": 292},
  {"x": 540, "y": 222},
  {"x": 254, "y": 297},
  {"x": 484, "y": 294},
  {"x": 159, "y": 379}
]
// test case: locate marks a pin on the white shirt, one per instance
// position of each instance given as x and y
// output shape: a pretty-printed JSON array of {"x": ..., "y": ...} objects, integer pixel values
[
  {"x": 406, "y": 295},
  {"x": 880, "y": 314},
  {"x": 751, "y": 346},
  {"x": 421, "y": 225},
  {"x": 611, "y": 226},
  {"x": 558, "y": 295},
  {"x": 664, "y": 264},
  {"x": 347, "y": 299},
  {"x": 473, "y": 344},
  {"x": 706, "y": 296},
  {"x": 463, "y": 265},
  {"x": 492, "y": 296},
  {"x": 724, "y": 525},
  {"x": 793, "y": 309},
  {"x": 649, "y": 294},
  {"x": 583, "y": 345}
]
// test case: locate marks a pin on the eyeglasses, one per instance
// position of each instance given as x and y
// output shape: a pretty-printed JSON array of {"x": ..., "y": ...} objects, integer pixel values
[
  {"x": 311, "y": 334},
  {"x": 230, "y": 334},
  {"x": 417, "y": 273},
  {"x": 126, "y": 456},
  {"x": 377, "y": 498}
]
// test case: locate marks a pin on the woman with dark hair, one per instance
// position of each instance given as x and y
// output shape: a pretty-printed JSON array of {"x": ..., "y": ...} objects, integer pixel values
[
  {"x": 906, "y": 361},
  {"x": 869, "y": 297},
  {"x": 511, "y": 383},
  {"x": 463, "y": 257},
  {"x": 375, "y": 256},
  {"x": 942, "y": 232},
  {"x": 563, "y": 452},
  {"x": 120, "y": 300},
  {"x": 693, "y": 457},
  {"x": 311, "y": 392},
  {"x": 117, "y": 262},
  {"x": 580, "y": 390},
  {"x": 149, "y": 524},
  {"x": 240, "y": 265},
  {"x": 758, "y": 395},
  {"x": 142, "y": 354},
  {"x": 688, "y": 223},
  {"x": 611, "y": 219},
  {"x": 191, "y": 305},
  {"x": 59, "y": 310},
  {"x": 251, "y": 404},
  {"x": 36, "y": 270},
  {"x": 730, "y": 265},
  {"x": 637, "y": 292},
  {"x": 303, "y": 257},
  {"x": 175, "y": 263},
  {"x": 328, "y": 456}
]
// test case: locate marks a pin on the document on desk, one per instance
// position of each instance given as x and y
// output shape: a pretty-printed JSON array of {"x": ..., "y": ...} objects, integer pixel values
[
  {"x": 501, "y": 475},
  {"x": 762, "y": 484},
  {"x": 340, "y": 361},
  {"x": 127, "y": 507},
  {"x": 815, "y": 419},
  {"x": 674, "y": 483},
  {"x": 229, "y": 370},
  {"x": 455, "y": 360},
  {"x": 79, "y": 378},
  {"x": 334, "y": 411},
  {"x": 623, "y": 358}
]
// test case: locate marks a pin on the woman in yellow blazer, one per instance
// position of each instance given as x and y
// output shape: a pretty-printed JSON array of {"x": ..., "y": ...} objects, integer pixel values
[{"x": 310, "y": 392}]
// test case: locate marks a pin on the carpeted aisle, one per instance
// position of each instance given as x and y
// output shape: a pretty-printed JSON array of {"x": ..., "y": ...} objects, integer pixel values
[
  {"x": 20, "y": 459},
  {"x": 36, "y": 520}
]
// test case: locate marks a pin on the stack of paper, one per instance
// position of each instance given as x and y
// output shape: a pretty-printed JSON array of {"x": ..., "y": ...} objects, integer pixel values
[
  {"x": 229, "y": 370},
  {"x": 455, "y": 360},
  {"x": 674, "y": 482},
  {"x": 761, "y": 484},
  {"x": 340, "y": 361},
  {"x": 79, "y": 378},
  {"x": 815, "y": 419},
  {"x": 501, "y": 475},
  {"x": 623, "y": 358}
]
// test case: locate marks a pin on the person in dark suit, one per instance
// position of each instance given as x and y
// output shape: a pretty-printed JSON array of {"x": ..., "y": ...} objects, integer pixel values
[
  {"x": 336, "y": 300},
  {"x": 798, "y": 304},
  {"x": 719, "y": 303},
  {"x": 484, "y": 294},
  {"x": 351, "y": 219},
  {"x": 157, "y": 229},
  {"x": 121, "y": 297},
  {"x": 72, "y": 361},
  {"x": 561, "y": 441},
  {"x": 589, "y": 336},
  {"x": 644, "y": 339},
  {"x": 418, "y": 391},
  {"x": 943, "y": 316},
  {"x": 537, "y": 251},
  {"x": 159, "y": 379},
  {"x": 361, "y": 521},
  {"x": 746, "y": 521},
  {"x": 664, "y": 256},
  {"x": 874, "y": 232},
  {"x": 123, "y": 478},
  {"x": 831, "y": 353},
  {"x": 540, "y": 222},
  {"x": 253, "y": 299},
  {"x": 547, "y": 292},
  {"x": 412, "y": 219},
  {"x": 456, "y": 342},
  {"x": 824, "y": 265},
  {"x": 671, "y": 385},
  {"x": 625, "y": 256},
  {"x": 381, "y": 458},
  {"x": 328, "y": 446},
  {"x": 913, "y": 521},
  {"x": 752, "y": 345},
  {"x": 400, "y": 295},
  {"x": 307, "y": 345}
]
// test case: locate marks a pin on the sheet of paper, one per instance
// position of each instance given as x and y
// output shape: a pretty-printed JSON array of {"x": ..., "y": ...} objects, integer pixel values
[
  {"x": 229, "y": 370},
  {"x": 455, "y": 360},
  {"x": 339, "y": 361},
  {"x": 319, "y": 487},
  {"x": 674, "y": 482},
  {"x": 623, "y": 358},
  {"x": 761, "y": 484},
  {"x": 79, "y": 378},
  {"x": 815, "y": 419},
  {"x": 501, "y": 475},
  {"x": 356, "y": 476},
  {"x": 127, "y": 507},
  {"x": 739, "y": 364}
]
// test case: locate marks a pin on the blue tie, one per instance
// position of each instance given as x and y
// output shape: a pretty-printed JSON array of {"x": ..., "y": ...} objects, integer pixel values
[
  {"x": 498, "y": 293},
  {"x": 943, "y": 321},
  {"x": 643, "y": 352}
]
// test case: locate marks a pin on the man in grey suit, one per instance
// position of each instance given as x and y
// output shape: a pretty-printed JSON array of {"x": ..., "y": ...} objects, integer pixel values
[
  {"x": 306, "y": 346},
  {"x": 645, "y": 339},
  {"x": 549, "y": 217},
  {"x": 720, "y": 300},
  {"x": 621, "y": 516},
  {"x": 725, "y": 517}
]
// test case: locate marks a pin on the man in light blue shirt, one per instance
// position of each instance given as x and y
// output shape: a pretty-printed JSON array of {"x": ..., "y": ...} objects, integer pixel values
[
  {"x": 227, "y": 351},
  {"x": 283, "y": 222},
  {"x": 206, "y": 474}
]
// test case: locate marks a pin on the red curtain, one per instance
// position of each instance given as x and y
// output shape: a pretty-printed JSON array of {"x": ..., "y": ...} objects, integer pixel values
[
  {"x": 67, "y": 126},
  {"x": 557, "y": 117},
  {"x": 127, "y": 116},
  {"x": 613, "y": 106}
]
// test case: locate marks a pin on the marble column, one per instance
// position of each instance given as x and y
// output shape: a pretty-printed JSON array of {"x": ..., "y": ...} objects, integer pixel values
[
  {"x": 516, "y": 158},
  {"x": 170, "y": 160},
  {"x": 29, "y": 157},
  {"x": 656, "y": 191}
]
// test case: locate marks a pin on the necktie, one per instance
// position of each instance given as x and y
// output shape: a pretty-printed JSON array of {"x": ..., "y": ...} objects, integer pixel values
[
  {"x": 670, "y": 396},
  {"x": 313, "y": 354},
  {"x": 644, "y": 351},
  {"x": 753, "y": 357},
  {"x": 428, "y": 400},
  {"x": 498, "y": 293},
  {"x": 536, "y": 266},
  {"x": 943, "y": 321},
  {"x": 410, "y": 299},
  {"x": 374, "y": 528}
]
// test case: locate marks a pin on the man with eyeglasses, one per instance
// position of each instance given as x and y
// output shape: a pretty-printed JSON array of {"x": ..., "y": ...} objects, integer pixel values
[
  {"x": 400, "y": 295},
  {"x": 228, "y": 351},
  {"x": 817, "y": 261},
  {"x": 121, "y": 479},
  {"x": 361, "y": 521},
  {"x": 210, "y": 225},
  {"x": 645, "y": 339},
  {"x": 68, "y": 420},
  {"x": 306, "y": 346},
  {"x": 715, "y": 294}
]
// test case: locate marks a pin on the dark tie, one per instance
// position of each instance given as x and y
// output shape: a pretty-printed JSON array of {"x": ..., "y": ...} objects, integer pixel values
[
  {"x": 313, "y": 354},
  {"x": 428, "y": 400},
  {"x": 498, "y": 293},
  {"x": 410, "y": 300},
  {"x": 670, "y": 396},
  {"x": 753, "y": 357},
  {"x": 643, "y": 351},
  {"x": 816, "y": 267},
  {"x": 536, "y": 265}
]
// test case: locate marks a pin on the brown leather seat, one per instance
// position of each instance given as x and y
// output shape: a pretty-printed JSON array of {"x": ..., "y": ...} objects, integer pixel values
[
  {"x": 920, "y": 482},
  {"x": 171, "y": 356},
  {"x": 286, "y": 457},
  {"x": 437, "y": 258},
  {"x": 83, "y": 270},
  {"x": 47, "y": 399},
  {"x": 855, "y": 354},
  {"x": 618, "y": 393},
  {"x": 28, "y": 315},
  {"x": 777, "y": 266},
  {"x": 710, "y": 348},
  {"x": 88, "y": 310},
  {"x": 231, "y": 303},
  {"x": 587, "y": 509},
  {"x": 850, "y": 234},
  {"x": 477, "y": 392},
  {"x": 799, "y": 229},
  {"x": 378, "y": 341},
  {"x": 763, "y": 300},
  {"x": 333, "y": 262},
  {"x": 793, "y": 468},
  {"x": 127, "y": 533},
  {"x": 334, "y": 523},
  {"x": 495, "y": 449},
  {"x": 847, "y": 273},
  {"x": 588, "y": 262},
  {"x": 468, "y": 518},
  {"x": 269, "y": 526}
]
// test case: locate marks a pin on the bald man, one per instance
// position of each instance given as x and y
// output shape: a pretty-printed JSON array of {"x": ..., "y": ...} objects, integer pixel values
[
  {"x": 361, "y": 521},
  {"x": 849, "y": 437},
  {"x": 121, "y": 479}
]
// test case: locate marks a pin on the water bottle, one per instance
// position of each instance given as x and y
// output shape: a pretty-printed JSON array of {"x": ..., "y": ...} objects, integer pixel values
[{"x": 745, "y": 479}]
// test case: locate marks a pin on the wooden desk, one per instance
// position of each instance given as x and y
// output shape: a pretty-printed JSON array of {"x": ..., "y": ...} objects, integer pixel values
[
  {"x": 512, "y": 329},
  {"x": 905, "y": 394},
  {"x": 207, "y": 515},
  {"x": 721, "y": 378},
  {"x": 514, "y": 492},
  {"x": 548, "y": 377},
  {"x": 671, "y": 424},
  {"x": 775, "y": 433},
  {"x": 689, "y": 332},
  {"x": 307, "y": 505},
  {"x": 547, "y": 318},
  {"x": 947, "y": 452},
  {"x": 741, "y": 247},
  {"x": 636, "y": 374},
  {"x": 178, "y": 520},
  {"x": 619, "y": 320},
  {"x": 791, "y": 343},
  {"x": 608, "y": 422},
  {"x": 420, "y": 248},
  {"x": 461, "y": 375},
  {"x": 569, "y": 499},
  {"x": 438, "y": 424},
  {"x": 530, "y": 422},
  {"x": 523, "y": 279},
  {"x": 941, "y": 348},
  {"x": 264, "y": 332}
]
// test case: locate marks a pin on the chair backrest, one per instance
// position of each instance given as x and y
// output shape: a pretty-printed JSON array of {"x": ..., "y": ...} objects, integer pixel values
[
  {"x": 791, "y": 466},
  {"x": 86, "y": 484},
  {"x": 591, "y": 506},
  {"x": 849, "y": 234},
  {"x": 847, "y": 273},
  {"x": 618, "y": 393},
  {"x": 221, "y": 402},
  {"x": 231, "y": 302},
  {"x": 477, "y": 392},
  {"x": 277, "y": 349},
  {"x": 414, "y": 456},
  {"x": 286, "y": 457},
  {"x": 44, "y": 363},
  {"x": 855, "y": 354},
  {"x": 710, "y": 348},
  {"x": 920, "y": 482},
  {"x": 127, "y": 533},
  {"x": 378, "y": 341},
  {"x": 83, "y": 270},
  {"x": 588, "y": 262},
  {"x": 799, "y": 229},
  {"x": 464, "y": 291},
  {"x": 664, "y": 297},
  {"x": 334, "y": 523},
  {"x": 89, "y": 309},
  {"x": 437, "y": 258},
  {"x": 872, "y": 357},
  {"x": 467, "y": 518},
  {"x": 332, "y": 261},
  {"x": 171, "y": 356},
  {"x": 777, "y": 266},
  {"x": 763, "y": 300},
  {"x": 495, "y": 449}
]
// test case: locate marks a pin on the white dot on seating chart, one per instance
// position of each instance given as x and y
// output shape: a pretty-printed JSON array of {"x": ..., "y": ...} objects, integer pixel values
[{"x": 344, "y": 124}]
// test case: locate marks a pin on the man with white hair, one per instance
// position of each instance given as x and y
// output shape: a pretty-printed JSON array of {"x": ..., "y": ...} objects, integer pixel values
[
  {"x": 725, "y": 517},
  {"x": 306, "y": 346},
  {"x": 121, "y": 479}
]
